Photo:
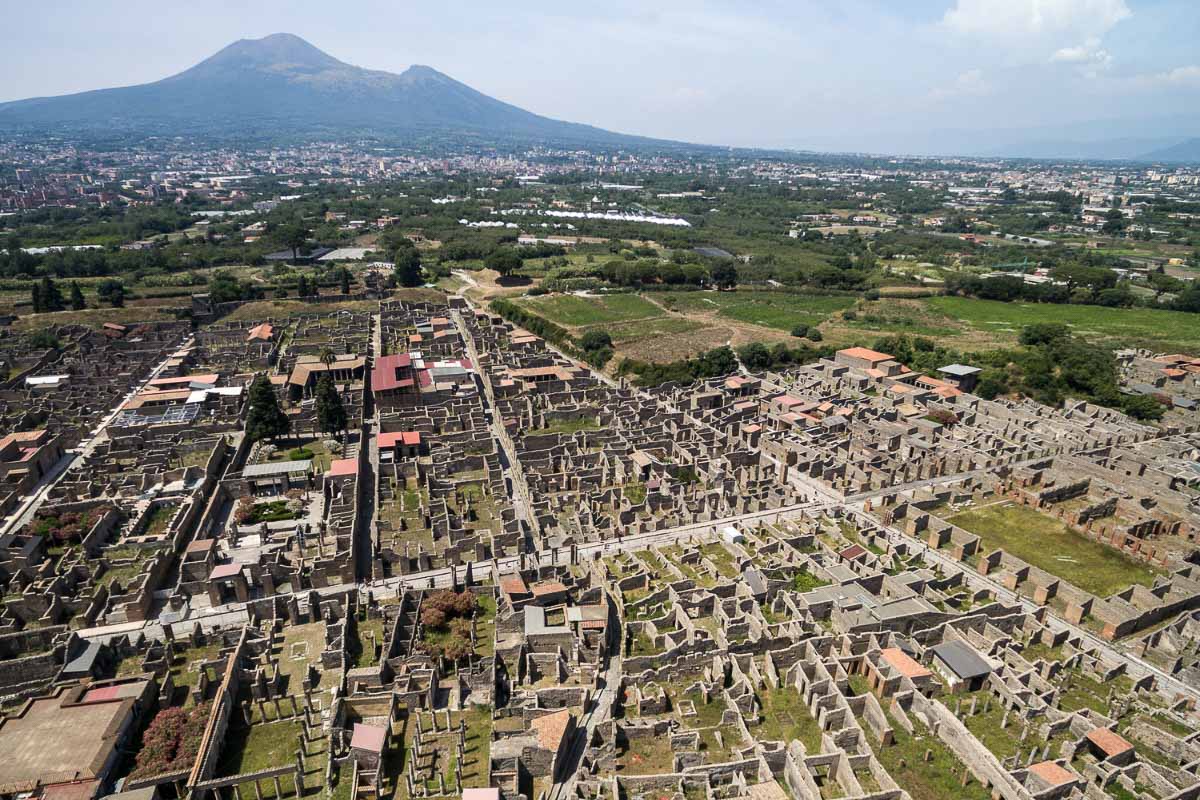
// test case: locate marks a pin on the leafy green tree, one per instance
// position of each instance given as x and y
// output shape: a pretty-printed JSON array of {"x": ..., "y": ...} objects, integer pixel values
[
  {"x": 292, "y": 236},
  {"x": 224, "y": 288},
  {"x": 35, "y": 298},
  {"x": 408, "y": 266},
  {"x": 1114, "y": 222},
  {"x": 1143, "y": 407},
  {"x": 1163, "y": 284},
  {"x": 724, "y": 274},
  {"x": 111, "y": 291},
  {"x": 265, "y": 419},
  {"x": 77, "y": 301},
  {"x": 505, "y": 260},
  {"x": 595, "y": 340},
  {"x": 1043, "y": 333},
  {"x": 755, "y": 355},
  {"x": 302, "y": 286},
  {"x": 345, "y": 279},
  {"x": 331, "y": 414}
]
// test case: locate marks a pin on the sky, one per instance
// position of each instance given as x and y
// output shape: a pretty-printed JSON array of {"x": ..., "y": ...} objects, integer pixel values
[{"x": 870, "y": 75}]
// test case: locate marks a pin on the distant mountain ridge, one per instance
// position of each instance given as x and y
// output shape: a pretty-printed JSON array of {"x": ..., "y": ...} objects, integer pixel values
[
  {"x": 1186, "y": 151},
  {"x": 282, "y": 80}
]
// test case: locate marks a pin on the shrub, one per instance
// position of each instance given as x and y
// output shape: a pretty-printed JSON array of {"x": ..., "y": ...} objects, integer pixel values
[
  {"x": 800, "y": 331},
  {"x": 433, "y": 617},
  {"x": 171, "y": 741},
  {"x": 596, "y": 340}
]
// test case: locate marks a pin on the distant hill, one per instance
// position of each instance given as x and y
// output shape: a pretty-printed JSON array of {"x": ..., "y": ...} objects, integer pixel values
[
  {"x": 281, "y": 83},
  {"x": 1188, "y": 150}
]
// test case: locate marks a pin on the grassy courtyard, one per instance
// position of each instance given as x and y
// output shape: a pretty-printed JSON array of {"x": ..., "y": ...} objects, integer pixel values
[
  {"x": 785, "y": 717},
  {"x": 1048, "y": 544}
]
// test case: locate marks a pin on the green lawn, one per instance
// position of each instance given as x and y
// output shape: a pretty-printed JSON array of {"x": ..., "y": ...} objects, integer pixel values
[
  {"x": 260, "y": 746},
  {"x": 935, "y": 779},
  {"x": 1168, "y": 330},
  {"x": 1048, "y": 544},
  {"x": 577, "y": 311},
  {"x": 780, "y": 310},
  {"x": 785, "y": 717}
]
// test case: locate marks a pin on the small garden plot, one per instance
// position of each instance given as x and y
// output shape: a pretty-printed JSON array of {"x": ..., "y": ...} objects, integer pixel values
[
  {"x": 364, "y": 654},
  {"x": 936, "y": 779},
  {"x": 159, "y": 518},
  {"x": 704, "y": 713},
  {"x": 307, "y": 449},
  {"x": 721, "y": 558},
  {"x": 567, "y": 425},
  {"x": 646, "y": 755},
  {"x": 271, "y": 511},
  {"x": 299, "y": 647},
  {"x": 785, "y": 717},
  {"x": 1080, "y": 691}
]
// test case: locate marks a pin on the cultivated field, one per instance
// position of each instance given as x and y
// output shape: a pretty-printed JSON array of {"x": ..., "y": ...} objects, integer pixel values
[
  {"x": 779, "y": 310},
  {"x": 574, "y": 311}
]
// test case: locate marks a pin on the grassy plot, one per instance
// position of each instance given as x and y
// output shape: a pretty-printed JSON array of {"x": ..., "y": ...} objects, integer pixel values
[
  {"x": 625, "y": 332},
  {"x": 780, "y": 310},
  {"x": 935, "y": 779},
  {"x": 575, "y": 311},
  {"x": 785, "y": 717},
  {"x": 1048, "y": 544},
  {"x": 1169, "y": 330}
]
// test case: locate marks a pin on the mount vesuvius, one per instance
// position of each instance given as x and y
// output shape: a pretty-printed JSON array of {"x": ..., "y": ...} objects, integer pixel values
[{"x": 281, "y": 84}]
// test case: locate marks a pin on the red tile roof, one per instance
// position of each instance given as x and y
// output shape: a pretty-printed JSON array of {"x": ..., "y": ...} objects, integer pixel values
[
  {"x": 1052, "y": 773},
  {"x": 904, "y": 664},
  {"x": 368, "y": 737},
  {"x": 384, "y": 375},
  {"x": 264, "y": 332},
  {"x": 343, "y": 466},
  {"x": 1109, "y": 742},
  {"x": 551, "y": 729},
  {"x": 852, "y": 552},
  {"x": 873, "y": 356},
  {"x": 406, "y": 438},
  {"x": 513, "y": 584}
]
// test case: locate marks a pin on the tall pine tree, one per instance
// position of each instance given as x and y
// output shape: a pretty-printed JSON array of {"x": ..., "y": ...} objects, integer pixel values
[
  {"x": 77, "y": 302},
  {"x": 265, "y": 419},
  {"x": 331, "y": 414}
]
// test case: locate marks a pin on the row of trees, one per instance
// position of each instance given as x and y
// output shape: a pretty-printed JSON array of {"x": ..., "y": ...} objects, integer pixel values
[
  {"x": 1079, "y": 285},
  {"x": 45, "y": 296}
]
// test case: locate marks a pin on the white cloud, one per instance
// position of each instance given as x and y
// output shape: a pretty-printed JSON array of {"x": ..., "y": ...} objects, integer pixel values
[
  {"x": 1179, "y": 76},
  {"x": 1014, "y": 19},
  {"x": 1090, "y": 58},
  {"x": 968, "y": 84}
]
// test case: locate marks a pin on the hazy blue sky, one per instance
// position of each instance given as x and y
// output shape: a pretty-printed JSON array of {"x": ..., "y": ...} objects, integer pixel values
[{"x": 843, "y": 75}]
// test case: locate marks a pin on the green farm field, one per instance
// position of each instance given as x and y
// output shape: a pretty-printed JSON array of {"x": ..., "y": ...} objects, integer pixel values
[
  {"x": 574, "y": 311},
  {"x": 1163, "y": 330},
  {"x": 779, "y": 310}
]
